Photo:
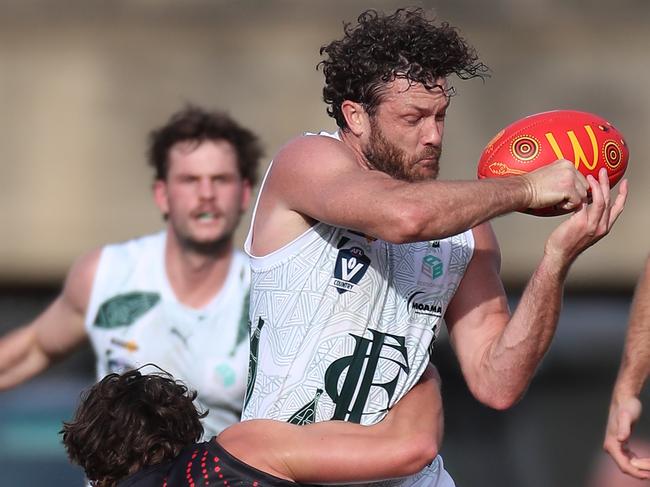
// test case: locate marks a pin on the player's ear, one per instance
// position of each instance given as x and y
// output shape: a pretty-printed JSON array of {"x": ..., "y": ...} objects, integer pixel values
[
  {"x": 160, "y": 196},
  {"x": 356, "y": 117}
]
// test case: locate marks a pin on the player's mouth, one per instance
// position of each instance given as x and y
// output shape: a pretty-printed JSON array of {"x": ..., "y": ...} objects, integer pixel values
[{"x": 206, "y": 216}]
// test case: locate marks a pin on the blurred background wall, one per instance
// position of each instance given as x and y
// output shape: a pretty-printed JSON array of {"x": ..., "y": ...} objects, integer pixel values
[{"x": 82, "y": 83}]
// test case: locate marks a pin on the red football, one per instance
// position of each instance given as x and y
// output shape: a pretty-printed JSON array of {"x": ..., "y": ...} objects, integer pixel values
[{"x": 589, "y": 141}]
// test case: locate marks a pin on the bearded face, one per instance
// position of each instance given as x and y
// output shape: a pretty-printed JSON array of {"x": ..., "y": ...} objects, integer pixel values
[
  {"x": 395, "y": 161},
  {"x": 405, "y": 130}
]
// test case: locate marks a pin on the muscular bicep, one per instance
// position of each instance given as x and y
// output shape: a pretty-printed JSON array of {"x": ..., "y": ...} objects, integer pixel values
[
  {"x": 479, "y": 310},
  {"x": 320, "y": 179},
  {"x": 61, "y": 326}
]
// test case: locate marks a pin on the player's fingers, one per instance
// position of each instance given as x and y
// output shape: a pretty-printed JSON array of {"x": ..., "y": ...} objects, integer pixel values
[
  {"x": 583, "y": 182},
  {"x": 603, "y": 180},
  {"x": 619, "y": 203},
  {"x": 597, "y": 207},
  {"x": 623, "y": 459},
  {"x": 641, "y": 463},
  {"x": 615, "y": 450},
  {"x": 576, "y": 185},
  {"x": 624, "y": 426}
]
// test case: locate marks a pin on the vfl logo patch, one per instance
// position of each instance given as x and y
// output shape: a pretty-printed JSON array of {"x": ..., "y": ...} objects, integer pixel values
[{"x": 351, "y": 265}]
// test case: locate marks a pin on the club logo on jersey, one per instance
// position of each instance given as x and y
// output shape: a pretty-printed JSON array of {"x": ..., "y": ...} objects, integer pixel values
[
  {"x": 124, "y": 309},
  {"x": 351, "y": 265},
  {"x": 419, "y": 305},
  {"x": 350, "y": 379},
  {"x": 226, "y": 373}
]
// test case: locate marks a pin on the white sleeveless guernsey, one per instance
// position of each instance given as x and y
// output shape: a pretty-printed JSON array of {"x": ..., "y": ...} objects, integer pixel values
[
  {"x": 134, "y": 318},
  {"x": 343, "y": 324}
]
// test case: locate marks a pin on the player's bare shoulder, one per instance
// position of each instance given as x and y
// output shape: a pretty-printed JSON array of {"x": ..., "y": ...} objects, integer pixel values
[
  {"x": 297, "y": 185},
  {"x": 80, "y": 278},
  {"x": 312, "y": 154}
]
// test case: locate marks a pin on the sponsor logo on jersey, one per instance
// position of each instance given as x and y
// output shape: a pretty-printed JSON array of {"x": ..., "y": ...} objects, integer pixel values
[
  {"x": 420, "y": 305},
  {"x": 351, "y": 265},
  {"x": 432, "y": 267}
]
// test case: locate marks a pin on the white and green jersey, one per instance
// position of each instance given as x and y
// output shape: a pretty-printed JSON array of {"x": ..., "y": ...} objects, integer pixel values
[
  {"x": 134, "y": 319},
  {"x": 342, "y": 326}
]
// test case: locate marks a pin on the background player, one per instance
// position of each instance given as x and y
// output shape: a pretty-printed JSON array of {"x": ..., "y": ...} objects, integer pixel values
[
  {"x": 625, "y": 407},
  {"x": 358, "y": 253},
  {"x": 178, "y": 298},
  {"x": 144, "y": 427}
]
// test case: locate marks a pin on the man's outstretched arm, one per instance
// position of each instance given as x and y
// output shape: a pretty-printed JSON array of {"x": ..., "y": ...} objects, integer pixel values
[
  {"x": 31, "y": 348},
  {"x": 403, "y": 443},
  {"x": 499, "y": 353},
  {"x": 625, "y": 407},
  {"x": 321, "y": 179}
]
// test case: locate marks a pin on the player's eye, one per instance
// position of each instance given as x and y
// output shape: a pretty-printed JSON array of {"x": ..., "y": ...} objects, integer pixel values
[{"x": 412, "y": 119}]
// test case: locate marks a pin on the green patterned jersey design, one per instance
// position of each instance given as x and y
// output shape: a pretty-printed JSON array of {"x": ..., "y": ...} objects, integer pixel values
[
  {"x": 252, "y": 361},
  {"x": 124, "y": 309},
  {"x": 307, "y": 413},
  {"x": 244, "y": 327}
]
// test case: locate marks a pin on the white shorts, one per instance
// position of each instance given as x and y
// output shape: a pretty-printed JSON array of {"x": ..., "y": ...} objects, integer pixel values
[{"x": 433, "y": 475}]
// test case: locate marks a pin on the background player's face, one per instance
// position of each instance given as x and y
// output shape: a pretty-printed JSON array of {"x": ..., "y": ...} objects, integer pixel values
[
  {"x": 204, "y": 195},
  {"x": 405, "y": 140}
]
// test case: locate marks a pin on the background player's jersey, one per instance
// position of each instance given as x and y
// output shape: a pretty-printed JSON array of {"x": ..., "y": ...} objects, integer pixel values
[
  {"x": 134, "y": 318},
  {"x": 206, "y": 464}
]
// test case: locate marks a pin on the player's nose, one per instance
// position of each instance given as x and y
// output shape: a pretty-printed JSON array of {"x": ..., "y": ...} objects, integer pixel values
[
  {"x": 206, "y": 188},
  {"x": 431, "y": 133}
]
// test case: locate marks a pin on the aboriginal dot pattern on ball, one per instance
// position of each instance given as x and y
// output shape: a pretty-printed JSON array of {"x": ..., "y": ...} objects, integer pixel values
[
  {"x": 612, "y": 154},
  {"x": 525, "y": 148},
  {"x": 501, "y": 169}
]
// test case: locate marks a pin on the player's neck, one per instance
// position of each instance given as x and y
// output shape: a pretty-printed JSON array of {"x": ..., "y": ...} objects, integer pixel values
[
  {"x": 354, "y": 144},
  {"x": 196, "y": 277}
]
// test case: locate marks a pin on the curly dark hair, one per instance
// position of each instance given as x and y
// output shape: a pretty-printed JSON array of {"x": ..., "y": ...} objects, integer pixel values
[
  {"x": 126, "y": 422},
  {"x": 196, "y": 124},
  {"x": 381, "y": 48}
]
